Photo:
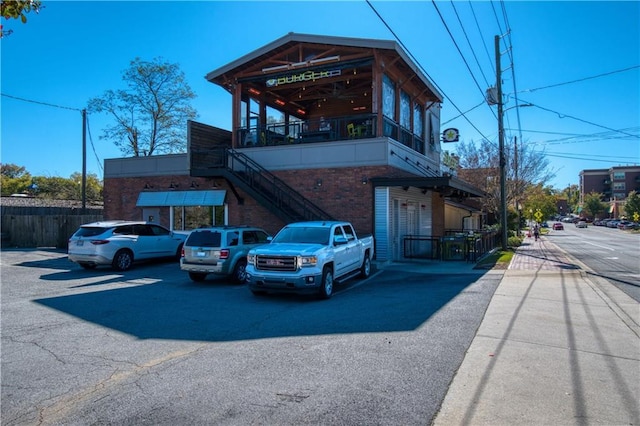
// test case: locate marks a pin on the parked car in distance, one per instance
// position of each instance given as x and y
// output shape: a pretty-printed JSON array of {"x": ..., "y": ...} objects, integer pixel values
[
  {"x": 220, "y": 250},
  {"x": 613, "y": 223},
  {"x": 581, "y": 224},
  {"x": 558, "y": 226},
  {"x": 119, "y": 243},
  {"x": 627, "y": 224}
]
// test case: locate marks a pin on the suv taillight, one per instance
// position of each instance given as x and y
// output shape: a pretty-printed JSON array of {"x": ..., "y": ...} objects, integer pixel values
[
  {"x": 99, "y": 242},
  {"x": 224, "y": 254}
]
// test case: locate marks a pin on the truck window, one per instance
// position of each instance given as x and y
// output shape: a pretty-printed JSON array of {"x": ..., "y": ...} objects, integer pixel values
[{"x": 348, "y": 231}]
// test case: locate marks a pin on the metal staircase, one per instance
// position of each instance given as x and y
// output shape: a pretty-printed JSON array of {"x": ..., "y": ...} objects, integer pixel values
[{"x": 270, "y": 191}]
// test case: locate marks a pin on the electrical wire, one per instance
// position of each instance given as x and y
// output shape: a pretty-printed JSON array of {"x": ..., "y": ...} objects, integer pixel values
[
  {"x": 94, "y": 149},
  {"x": 467, "y": 111},
  {"x": 473, "y": 12},
  {"x": 561, "y": 115},
  {"x": 473, "y": 52},
  {"x": 422, "y": 68},
  {"x": 40, "y": 103},
  {"x": 581, "y": 79},
  {"x": 460, "y": 52},
  {"x": 573, "y": 157}
]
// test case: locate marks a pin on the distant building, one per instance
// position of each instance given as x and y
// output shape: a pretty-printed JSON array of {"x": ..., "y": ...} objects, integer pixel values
[{"x": 614, "y": 184}]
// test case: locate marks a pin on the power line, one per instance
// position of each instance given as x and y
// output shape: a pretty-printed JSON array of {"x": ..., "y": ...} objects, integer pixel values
[
  {"x": 422, "y": 68},
  {"x": 469, "y": 43},
  {"x": 572, "y": 157},
  {"x": 94, "y": 148},
  {"x": 473, "y": 12},
  {"x": 459, "y": 51},
  {"x": 582, "y": 79},
  {"x": 467, "y": 111},
  {"x": 41, "y": 103},
  {"x": 561, "y": 115}
]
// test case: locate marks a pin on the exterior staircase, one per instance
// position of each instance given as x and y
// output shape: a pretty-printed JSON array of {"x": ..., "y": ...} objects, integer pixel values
[{"x": 270, "y": 191}]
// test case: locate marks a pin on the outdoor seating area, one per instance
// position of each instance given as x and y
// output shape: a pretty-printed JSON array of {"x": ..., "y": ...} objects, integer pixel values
[
  {"x": 309, "y": 131},
  {"x": 454, "y": 245}
]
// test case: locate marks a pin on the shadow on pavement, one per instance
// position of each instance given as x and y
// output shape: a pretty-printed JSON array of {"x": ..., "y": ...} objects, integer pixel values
[{"x": 162, "y": 309}]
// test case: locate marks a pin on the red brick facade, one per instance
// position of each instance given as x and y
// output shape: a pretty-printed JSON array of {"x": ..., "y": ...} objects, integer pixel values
[{"x": 338, "y": 191}]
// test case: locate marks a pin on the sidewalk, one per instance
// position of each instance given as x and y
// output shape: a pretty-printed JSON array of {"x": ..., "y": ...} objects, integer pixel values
[{"x": 556, "y": 347}]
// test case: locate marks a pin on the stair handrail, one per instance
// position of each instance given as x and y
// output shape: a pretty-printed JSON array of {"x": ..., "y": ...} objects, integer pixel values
[{"x": 283, "y": 194}]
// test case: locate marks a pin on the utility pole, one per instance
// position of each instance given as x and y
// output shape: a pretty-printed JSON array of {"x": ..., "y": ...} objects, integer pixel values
[
  {"x": 84, "y": 161},
  {"x": 517, "y": 183},
  {"x": 503, "y": 173}
]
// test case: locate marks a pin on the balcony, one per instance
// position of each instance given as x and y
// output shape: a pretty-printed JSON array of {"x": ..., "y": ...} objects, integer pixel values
[{"x": 308, "y": 131}]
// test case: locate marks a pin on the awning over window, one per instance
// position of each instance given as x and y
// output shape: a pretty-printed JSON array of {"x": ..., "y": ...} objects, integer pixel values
[{"x": 181, "y": 198}]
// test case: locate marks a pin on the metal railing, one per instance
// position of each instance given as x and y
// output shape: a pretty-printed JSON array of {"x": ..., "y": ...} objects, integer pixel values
[
  {"x": 271, "y": 189},
  {"x": 309, "y": 131},
  {"x": 461, "y": 245}
]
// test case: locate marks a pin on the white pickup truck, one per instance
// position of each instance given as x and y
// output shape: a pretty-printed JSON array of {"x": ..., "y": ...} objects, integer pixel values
[{"x": 307, "y": 257}]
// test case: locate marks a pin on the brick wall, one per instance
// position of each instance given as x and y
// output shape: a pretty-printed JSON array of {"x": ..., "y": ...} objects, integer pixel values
[{"x": 341, "y": 194}]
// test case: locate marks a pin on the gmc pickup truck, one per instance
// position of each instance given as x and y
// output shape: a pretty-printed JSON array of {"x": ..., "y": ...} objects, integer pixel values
[{"x": 307, "y": 257}]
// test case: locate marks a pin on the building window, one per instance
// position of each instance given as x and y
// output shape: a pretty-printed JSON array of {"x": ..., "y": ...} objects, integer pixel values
[
  {"x": 405, "y": 110},
  {"x": 417, "y": 120},
  {"x": 618, "y": 176},
  {"x": 192, "y": 217},
  {"x": 619, "y": 186},
  {"x": 388, "y": 97}
]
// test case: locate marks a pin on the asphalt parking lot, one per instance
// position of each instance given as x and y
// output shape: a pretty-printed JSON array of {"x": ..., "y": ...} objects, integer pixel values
[{"x": 149, "y": 346}]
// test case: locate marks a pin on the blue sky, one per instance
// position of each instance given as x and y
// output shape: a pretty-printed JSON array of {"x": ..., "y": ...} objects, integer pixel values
[{"x": 578, "y": 63}]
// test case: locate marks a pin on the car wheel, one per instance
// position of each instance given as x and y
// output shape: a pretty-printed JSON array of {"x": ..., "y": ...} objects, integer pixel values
[
  {"x": 326, "y": 286},
  {"x": 197, "y": 276},
  {"x": 365, "y": 269},
  {"x": 88, "y": 265},
  {"x": 240, "y": 271},
  {"x": 122, "y": 260}
]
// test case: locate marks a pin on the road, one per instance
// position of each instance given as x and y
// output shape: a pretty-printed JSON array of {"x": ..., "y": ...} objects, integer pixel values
[
  {"x": 608, "y": 253},
  {"x": 149, "y": 346}
]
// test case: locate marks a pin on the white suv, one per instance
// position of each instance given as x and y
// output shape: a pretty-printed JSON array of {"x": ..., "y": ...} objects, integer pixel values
[{"x": 120, "y": 243}]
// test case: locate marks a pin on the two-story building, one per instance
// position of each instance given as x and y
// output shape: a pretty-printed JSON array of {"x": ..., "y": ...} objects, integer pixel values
[{"x": 322, "y": 128}]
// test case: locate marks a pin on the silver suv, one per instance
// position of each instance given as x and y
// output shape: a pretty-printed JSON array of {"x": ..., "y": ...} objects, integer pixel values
[
  {"x": 220, "y": 250},
  {"x": 119, "y": 243}
]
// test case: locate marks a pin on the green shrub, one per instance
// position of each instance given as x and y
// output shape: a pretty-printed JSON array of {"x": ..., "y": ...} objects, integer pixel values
[{"x": 514, "y": 241}]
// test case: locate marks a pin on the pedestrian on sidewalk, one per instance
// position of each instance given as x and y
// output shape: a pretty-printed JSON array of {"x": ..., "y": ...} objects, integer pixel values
[{"x": 536, "y": 231}]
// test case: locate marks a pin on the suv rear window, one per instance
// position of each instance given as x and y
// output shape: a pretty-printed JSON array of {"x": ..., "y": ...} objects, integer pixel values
[
  {"x": 204, "y": 239},
  {"x": 90, "y": 231}
]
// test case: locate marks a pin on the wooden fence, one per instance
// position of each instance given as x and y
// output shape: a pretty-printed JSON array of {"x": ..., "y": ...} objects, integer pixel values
[{"x": 50, "y": 230}]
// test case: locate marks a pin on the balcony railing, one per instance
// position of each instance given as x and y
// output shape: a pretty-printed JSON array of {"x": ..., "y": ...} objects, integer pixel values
[{"x": 309, "y": 131}]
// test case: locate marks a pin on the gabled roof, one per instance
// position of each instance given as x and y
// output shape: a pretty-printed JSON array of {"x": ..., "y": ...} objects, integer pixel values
[{"x": 295, "y": 38}]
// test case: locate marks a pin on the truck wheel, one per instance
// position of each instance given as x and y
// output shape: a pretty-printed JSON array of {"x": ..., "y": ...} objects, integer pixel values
[
  {"x": 365, "y": 269},
  {"x": 326, "y": 286},
  {"x": 197, "y": 276},
  {"x": 240, "y": 271}
]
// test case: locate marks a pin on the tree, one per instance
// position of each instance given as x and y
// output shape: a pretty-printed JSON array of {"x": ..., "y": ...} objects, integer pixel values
[
  {"x": 632, "y": 206},
  {"x": 540, "y": 199},
  {"x": 151, "y": 114},
  {"x": 481, "y": 168},
  {"x": 593, "y": 205},
  {"x": 14, "y": 179},
  {"x": 68, "y": 189},
  {"x": 17, "y": 9}
]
